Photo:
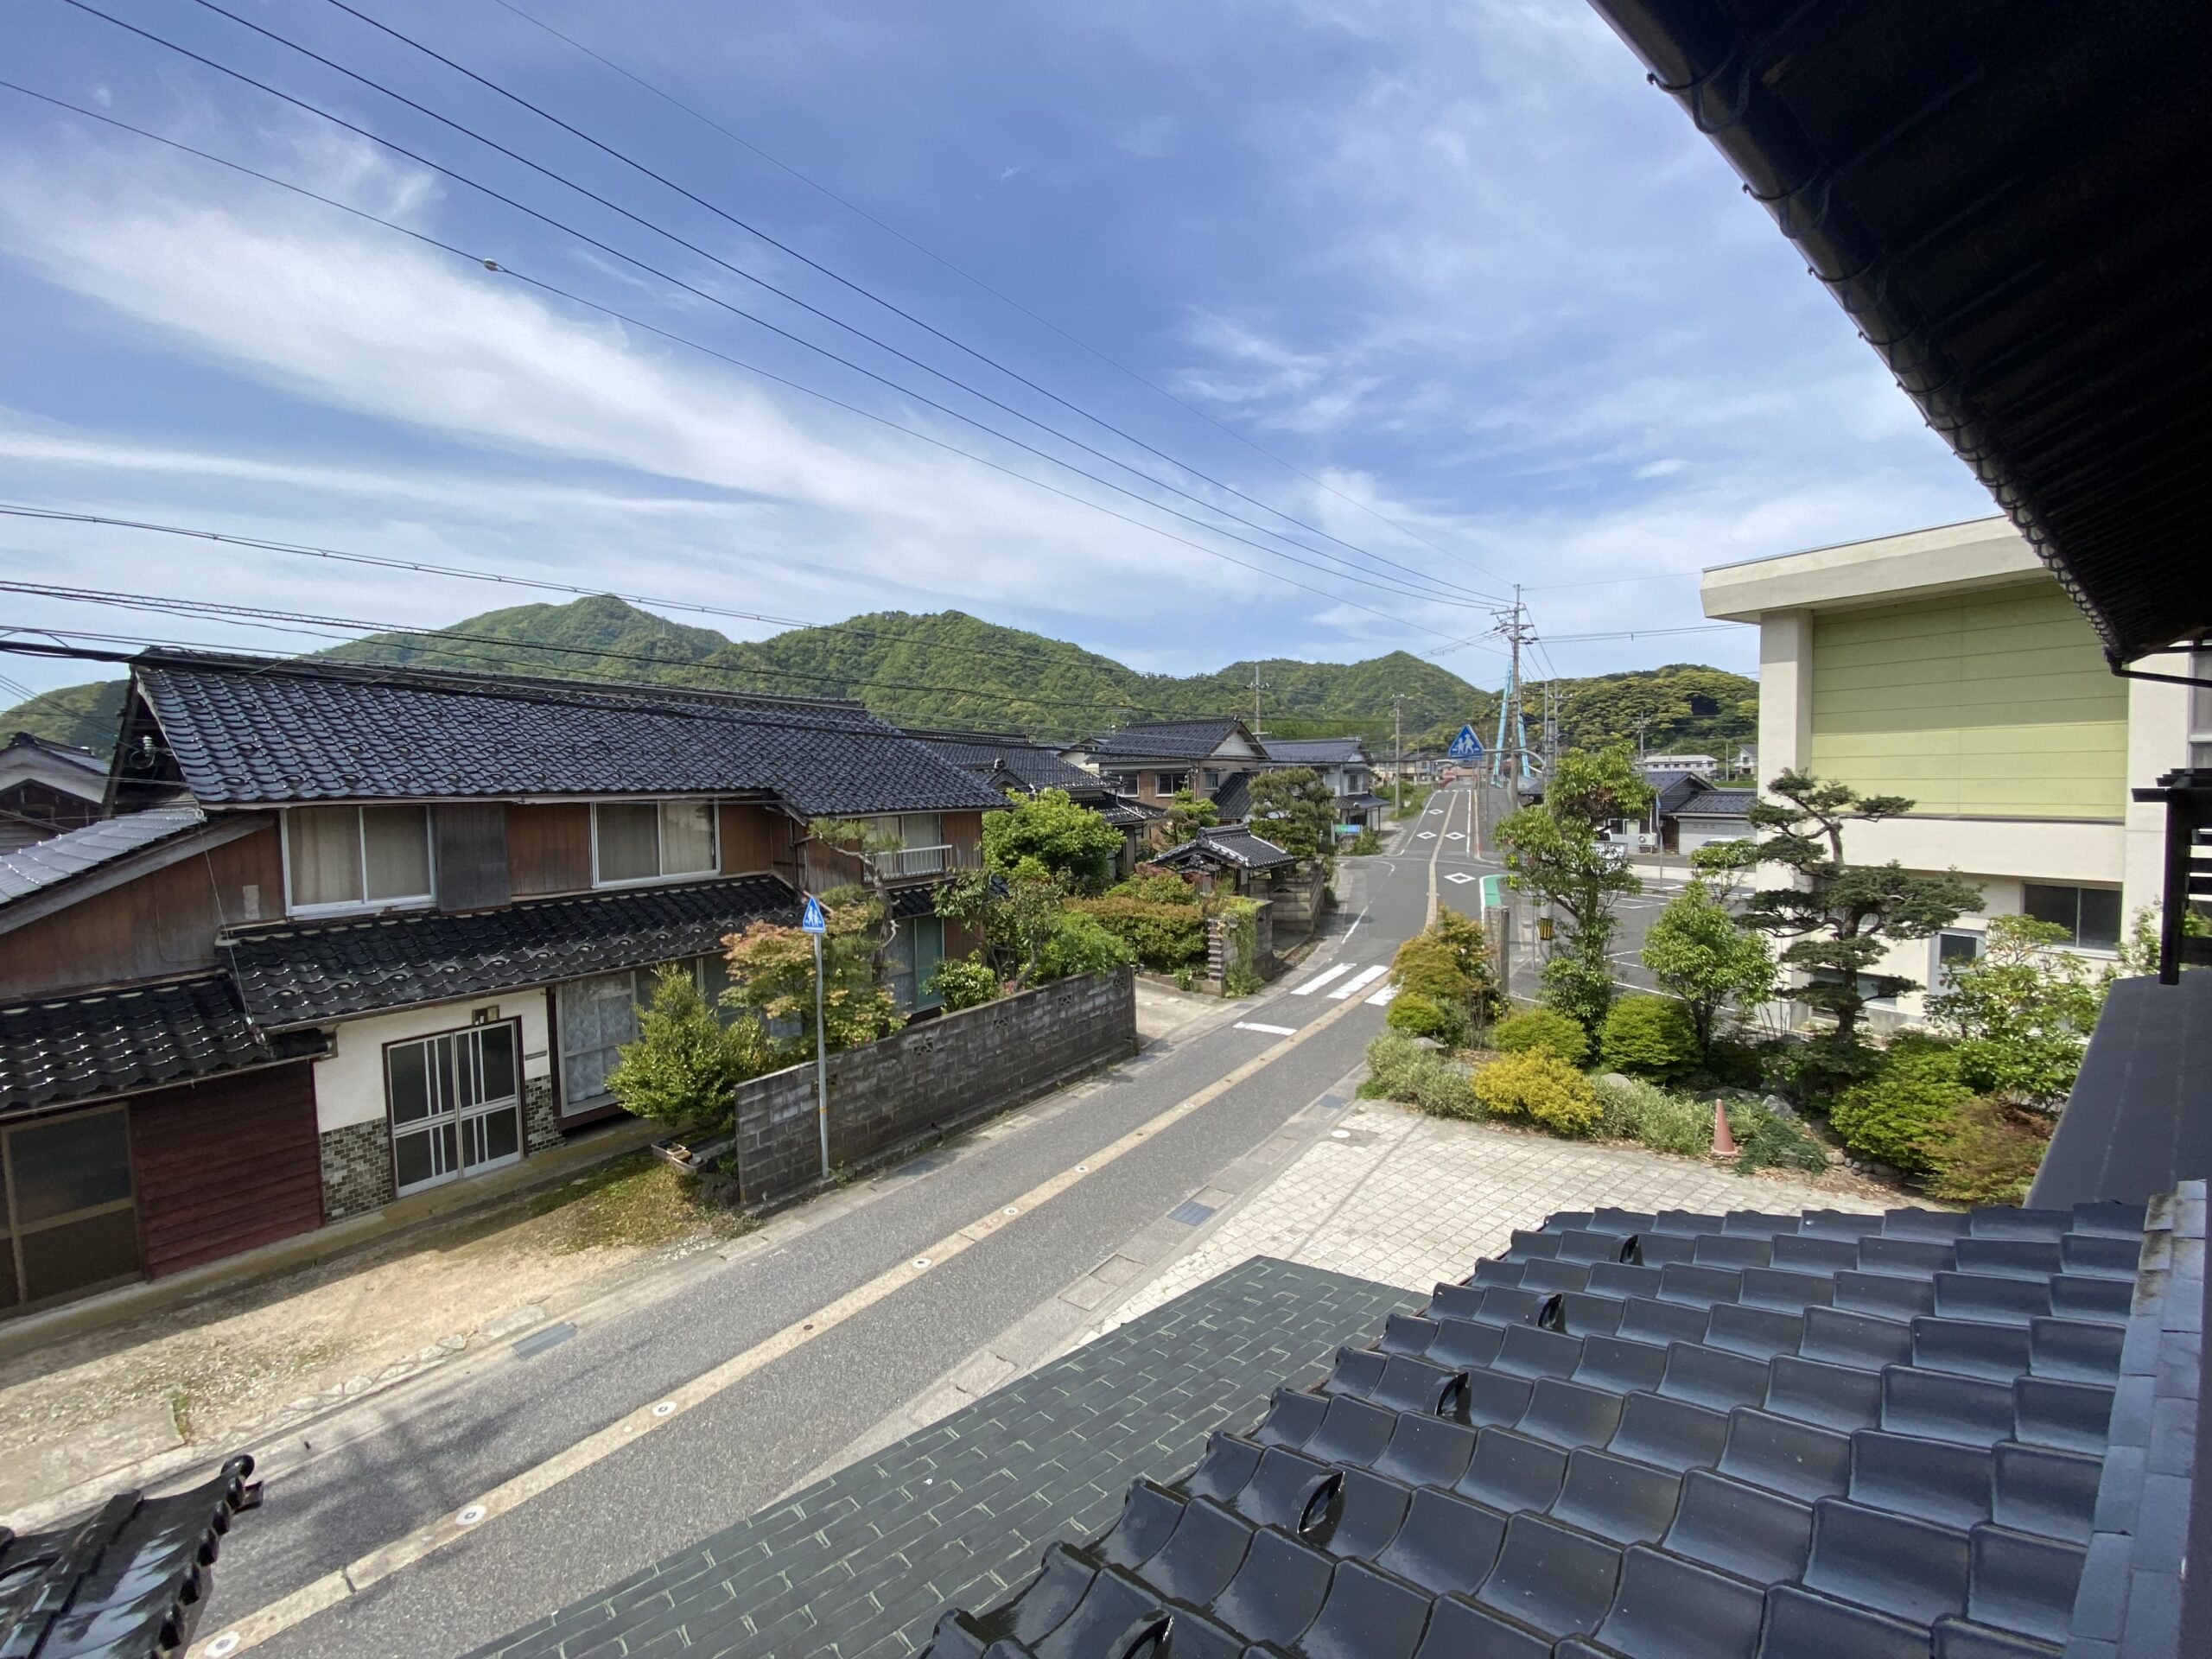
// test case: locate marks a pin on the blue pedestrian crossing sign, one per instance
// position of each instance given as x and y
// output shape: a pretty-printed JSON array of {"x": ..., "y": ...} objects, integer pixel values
[
  {"x": 811, "y": 919},
  {"x": 1466, "y": 746}
]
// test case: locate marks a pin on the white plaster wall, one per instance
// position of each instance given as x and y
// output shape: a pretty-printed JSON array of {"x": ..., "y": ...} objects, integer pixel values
[
  {"x": 349, "y": 1082},
  {"x": 2157, "y": 741}
]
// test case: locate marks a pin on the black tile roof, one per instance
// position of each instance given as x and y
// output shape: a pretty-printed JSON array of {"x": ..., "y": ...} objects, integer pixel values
[
  {"x": 863, "y": 1561},
  {"x": 293, "y": 975},
  {"x": 133, "y": 1578},
  {"x": 1653, "y": 1436},
  {"x": 1229, "y": 844},
  {"x": 1718, "y": 804},
  {"x": 112, "y": 1042},
  {"x": 1034, "y": 765},
  {"x": 251, "y": 732},
  {"x": 70, "y": 751},
  {"x": 1319, "y": 750},
  {"x": 44, "y": 863},
  {"x": 1233, "y": 799},
  {"x": 1165, "y": 740},
  {"x": 1124, "y": 812}
]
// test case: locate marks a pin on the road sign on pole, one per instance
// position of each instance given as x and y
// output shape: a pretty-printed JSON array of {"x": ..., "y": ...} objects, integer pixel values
[
  {"x": 1466, "y": 746},
  {"x": 812, "y": 922}
]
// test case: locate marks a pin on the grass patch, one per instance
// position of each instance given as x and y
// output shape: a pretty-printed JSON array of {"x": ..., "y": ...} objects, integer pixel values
[{"x": 640, "y": 1201}]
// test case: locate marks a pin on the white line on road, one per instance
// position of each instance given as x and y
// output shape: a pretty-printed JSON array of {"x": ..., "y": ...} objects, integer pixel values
[
  {"x": 1382, "y": 998},
  {"x": 356, "y": 1575},
  {"x": 1358, "y": 983},
  {"x": 1271, "y": 1031},
  {"x": 1321, "y": 979}
]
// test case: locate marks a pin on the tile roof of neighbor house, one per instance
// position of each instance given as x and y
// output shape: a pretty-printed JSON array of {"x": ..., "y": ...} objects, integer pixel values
[
  {"x": 1631, "y": 1436},
  {"x": 62, "y": 1049},
  {"x": 959, "y": 1510},
  {"x": 246, "y": 732},
  {"x": 1319, "y": 750},
  {"x": 1718, "y": 804},
  {"x": 71, "y": 854},
  {"x": 1036, "y": 766},
  {"x": 1232, "y": 797},
  {"x": 132, "y": 1579},
  {"x": 1126, "y": 811},
  {"x": 1166, "y": 740},
  {"x": 294, "y": 975},
  {"x": 69, "y": 752},
  {"x": 1230, "y": 844}
]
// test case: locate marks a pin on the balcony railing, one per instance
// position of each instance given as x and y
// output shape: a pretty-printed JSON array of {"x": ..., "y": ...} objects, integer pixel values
[{"x": 902, "y": 862}]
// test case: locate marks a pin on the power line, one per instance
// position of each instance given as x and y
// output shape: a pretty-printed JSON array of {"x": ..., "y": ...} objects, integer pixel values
[
  {"x": 817, "y": 265},
  {"x": 1004, "y": 298},
  {"x": 498, "y": 269},
  {"x": 739, "y": 271}
]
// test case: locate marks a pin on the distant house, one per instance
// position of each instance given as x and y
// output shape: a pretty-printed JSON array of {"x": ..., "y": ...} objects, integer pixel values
[
  {"x": 1342, "y": 763},
  {"x": 1155, "y": 761},
  {"x": 1693, "y": 813},
  {"x": 45, "y": 788},
  {"x": 1012, "y": 763},
  {"x": 1230, "y": 856},
  {"x": 358, "y": 932},
  {"x": 1706, "y": 764}
]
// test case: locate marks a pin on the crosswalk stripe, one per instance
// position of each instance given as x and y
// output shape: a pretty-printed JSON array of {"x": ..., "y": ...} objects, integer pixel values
[
  {"x": 1271, "y": 1031},
  {"x": 1359, "y": 982},
  {"x": 1382, "y": 998},
  {"x": 1321, "y": 979}
]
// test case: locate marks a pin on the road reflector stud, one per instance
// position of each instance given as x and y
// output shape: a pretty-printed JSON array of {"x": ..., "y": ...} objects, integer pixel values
[{"x": 470, "y": 1517}]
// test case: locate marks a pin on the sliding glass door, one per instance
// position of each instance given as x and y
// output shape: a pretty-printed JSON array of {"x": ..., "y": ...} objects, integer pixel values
[{"x": 456, "y": 1104}]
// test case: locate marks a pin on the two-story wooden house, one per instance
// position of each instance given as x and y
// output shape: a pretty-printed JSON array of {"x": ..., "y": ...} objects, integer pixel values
[
  {"x": 352, "y": 933},
  {"x": 1155, "y": 761}
]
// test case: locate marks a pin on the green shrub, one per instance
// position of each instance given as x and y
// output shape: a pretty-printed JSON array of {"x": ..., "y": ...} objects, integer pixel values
[
  {"x": 1163, "y": 937},
  {"x": 1536, "y": 1083},
  {"x": 1769, "y": 1140},
  {"x": 1649, "y": 1037},
  {"x": 1730, "y": 1064},
  {"x": 1403, "y": 1070},
  {"x": 1423, "y": 1016},
  {"x": 1915, "y": 1095},
  {"x": 1079, "y": 946},
  {"x": 1546, "y": 1029},
  {"x": 1660, "y": 1120},
  {"x": 1155, "y": 887},
  {"x": 964, "y": 982},
  {"x": 1983, "y": 1155},
  {"x": 1366, "y": 843}
]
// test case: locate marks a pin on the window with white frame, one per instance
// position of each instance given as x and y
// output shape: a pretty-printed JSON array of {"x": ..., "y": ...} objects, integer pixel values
[
  {"x": 650, "y": 840},
  {"x": 338, "y": 858},
  {"x": 2089, "y": 915},
  {"x": 1955, "y": 948}
]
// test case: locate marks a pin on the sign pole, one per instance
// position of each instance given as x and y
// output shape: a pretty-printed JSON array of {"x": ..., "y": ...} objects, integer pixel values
[{"x": 821, "y": 1064}]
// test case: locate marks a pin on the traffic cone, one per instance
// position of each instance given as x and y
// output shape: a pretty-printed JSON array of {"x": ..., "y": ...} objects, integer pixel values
[{"x": 1724, "y": 1143}]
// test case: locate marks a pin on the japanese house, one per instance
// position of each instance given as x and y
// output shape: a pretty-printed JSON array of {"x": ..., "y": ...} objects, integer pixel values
[
  {"x": 1156, "y": 760},
  {"x": 45, "y": 788},
  {"x": 353, "y": 933},
  {"x": 1343, "y": 764},
  {"x": 1016, "y": 765}
]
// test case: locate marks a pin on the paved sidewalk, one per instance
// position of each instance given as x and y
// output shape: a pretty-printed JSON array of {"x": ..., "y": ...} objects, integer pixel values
[{"x": 1388, "y": 1194}]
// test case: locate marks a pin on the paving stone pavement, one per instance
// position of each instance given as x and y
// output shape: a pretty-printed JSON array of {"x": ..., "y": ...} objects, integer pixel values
[{"x": 1389, "y": 1195}]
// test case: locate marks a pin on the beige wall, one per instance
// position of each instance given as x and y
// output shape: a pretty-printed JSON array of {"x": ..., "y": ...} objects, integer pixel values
[{"x": 349, "y": 1082}]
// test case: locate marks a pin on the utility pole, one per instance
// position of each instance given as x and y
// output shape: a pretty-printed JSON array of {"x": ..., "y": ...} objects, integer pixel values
[
  {"x": 1258, "y": 686},
  {"x": 1512, "y": 710},
  {"x": 1398, "y": 746}
]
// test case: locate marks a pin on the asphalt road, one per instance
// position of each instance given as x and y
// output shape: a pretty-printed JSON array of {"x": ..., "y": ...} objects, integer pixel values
[{"x": 356, "y": 1484}]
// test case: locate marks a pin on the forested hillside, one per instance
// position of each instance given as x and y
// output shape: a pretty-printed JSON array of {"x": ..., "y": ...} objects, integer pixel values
[{"x": 949, "y": 669}]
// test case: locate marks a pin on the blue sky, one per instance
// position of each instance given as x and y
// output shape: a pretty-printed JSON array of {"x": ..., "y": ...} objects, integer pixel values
[{"x": 1456, "y": 265}]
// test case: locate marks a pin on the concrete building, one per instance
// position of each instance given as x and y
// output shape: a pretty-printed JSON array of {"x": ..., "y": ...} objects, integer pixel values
[{"x": 1947, "y": 666}]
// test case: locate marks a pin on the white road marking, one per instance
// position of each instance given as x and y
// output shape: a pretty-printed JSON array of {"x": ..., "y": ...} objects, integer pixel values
[
  {"x": 1382, "y": 998},
  {"x": 1455, "y": 835},
  {"x": 1460, "y": 877},
  {"x": 1358, "y": 983},
  {"x": 1271, "y": 1031},
  {"x": 1321, "y": 979},
  {"x": 1428, "y": 835}
]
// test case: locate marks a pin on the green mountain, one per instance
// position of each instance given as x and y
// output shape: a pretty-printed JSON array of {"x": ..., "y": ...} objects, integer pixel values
[{"x": 949, "y": 669}]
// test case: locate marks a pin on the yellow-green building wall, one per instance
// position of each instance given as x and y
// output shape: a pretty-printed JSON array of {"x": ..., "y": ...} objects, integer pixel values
[{"x": 1995, "y": 704}]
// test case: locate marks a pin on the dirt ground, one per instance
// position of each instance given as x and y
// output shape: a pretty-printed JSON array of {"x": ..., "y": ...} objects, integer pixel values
[{"x": 201, "y": 1372}]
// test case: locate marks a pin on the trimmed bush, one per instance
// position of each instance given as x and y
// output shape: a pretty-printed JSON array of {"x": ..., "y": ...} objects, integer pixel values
[
  {"x": 1399, "y": 1069},
  {"x": 1644, "y": 1112},
  {"x": 1155, "y": 887},
  {"x": 1163, "y": 937},
  {"x": 1915, "y": 1095},
  {"x": 1730, "y": 1064},
  {"x": 1983, "y": 1155},
  {"x": 1546, "y": 1029},
  {"x": 965, "y": 982},
  {"x": 1769, "y": 1140},
  {"x": 1649, "y": 1037},
  {"x": 1423, "y": 1016},
  {"x": 1079, "y": 946},
  {"x": 1538, "y": 1084}
]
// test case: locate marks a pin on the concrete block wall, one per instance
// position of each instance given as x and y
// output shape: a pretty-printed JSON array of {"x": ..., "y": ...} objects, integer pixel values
[
  {"x": 356, "y": 1169},
  {"x": 1221, "y": 942},
  {"x": 931, "y": 1076}
]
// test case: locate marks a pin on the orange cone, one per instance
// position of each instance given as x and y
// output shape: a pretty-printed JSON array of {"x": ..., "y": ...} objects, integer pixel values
[{"x": 1724, "y": 1143}]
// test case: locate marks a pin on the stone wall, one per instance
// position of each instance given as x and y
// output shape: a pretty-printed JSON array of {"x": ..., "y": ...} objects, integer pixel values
[
  {"x": 1221, "y": 945},
  {"x": 541, "y": 1119},
  {"x": 356, "y": 1169},
  {"x": 932, "y": 1077}
]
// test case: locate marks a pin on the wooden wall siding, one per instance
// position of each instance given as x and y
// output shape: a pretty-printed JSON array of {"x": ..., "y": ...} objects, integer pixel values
[
  {"x": 754, "y": 839},
  {"x": 549, "y": 848},
  {"x": 1985, "y": 705},
  {"x": 225, "y": 1166},
  {"x": 964, "y": 833},
  {"x": 472, "y": 855},
  {"x": 158, "y": 926}
]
